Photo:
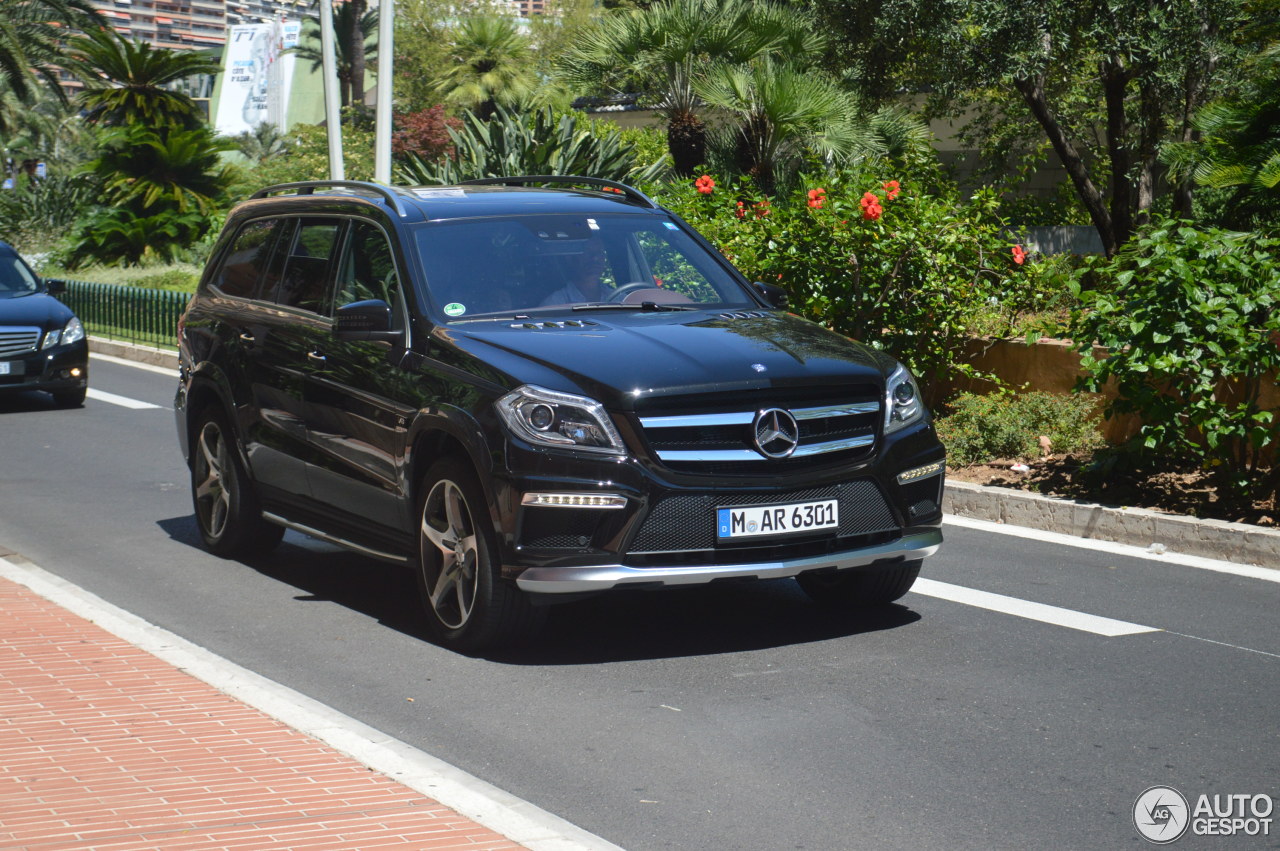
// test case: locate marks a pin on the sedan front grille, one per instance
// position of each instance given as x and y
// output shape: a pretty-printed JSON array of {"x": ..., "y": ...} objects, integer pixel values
[{"x": 18, "y": 340}]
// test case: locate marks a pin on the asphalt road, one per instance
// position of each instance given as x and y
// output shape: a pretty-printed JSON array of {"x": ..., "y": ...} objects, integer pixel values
[{"x": 736, "y": 718}]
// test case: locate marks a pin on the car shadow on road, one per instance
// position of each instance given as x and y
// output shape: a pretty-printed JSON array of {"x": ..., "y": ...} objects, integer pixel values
[{"x": 621, "y": 626}]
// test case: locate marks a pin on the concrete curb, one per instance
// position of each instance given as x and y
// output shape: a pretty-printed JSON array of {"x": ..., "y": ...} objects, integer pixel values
[
  {"x": 1217, "y": 539},
  {"x": 134, "y": 352}
]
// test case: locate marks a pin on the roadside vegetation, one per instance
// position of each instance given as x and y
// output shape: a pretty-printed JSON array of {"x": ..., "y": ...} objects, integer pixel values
[{"x": 796, "y": 138}]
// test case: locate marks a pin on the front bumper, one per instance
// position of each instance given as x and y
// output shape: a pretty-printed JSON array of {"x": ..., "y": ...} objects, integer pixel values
[
  {"x": 569, "y": 580},
  {"x": 48, "y": 370}
]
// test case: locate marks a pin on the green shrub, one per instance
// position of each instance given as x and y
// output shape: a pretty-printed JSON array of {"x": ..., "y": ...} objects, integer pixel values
[
  {"x": 1008, "y": 425},
  {"x": 1191, "y": 319},
  {"x": 906, "y": 270}
]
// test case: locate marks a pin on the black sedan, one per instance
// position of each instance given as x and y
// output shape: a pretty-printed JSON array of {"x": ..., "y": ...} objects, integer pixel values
[{"x": 42, "y": 343}]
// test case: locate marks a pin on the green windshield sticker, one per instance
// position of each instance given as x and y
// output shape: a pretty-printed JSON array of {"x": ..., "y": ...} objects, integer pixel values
[{"x": 455, "y": 309}]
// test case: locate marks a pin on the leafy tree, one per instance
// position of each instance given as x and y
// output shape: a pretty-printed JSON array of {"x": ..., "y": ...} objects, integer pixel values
[
  {"x": 663, "y": 51},
  {"x": 43, "y": 128},
  {"x": 125, "y": 80},
  {"x": 1106, "y": 82},
  {"x": 492, "y": 65},
  {"x": 149, "y": 170},
  {"x": 31, "y": 32},
  {"x": 346, "y": 44},
  {"x": 531, "y": 143}
]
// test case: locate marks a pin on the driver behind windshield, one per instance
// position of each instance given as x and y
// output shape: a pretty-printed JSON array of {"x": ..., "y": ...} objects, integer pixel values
[{"x": 585, "y": 277}]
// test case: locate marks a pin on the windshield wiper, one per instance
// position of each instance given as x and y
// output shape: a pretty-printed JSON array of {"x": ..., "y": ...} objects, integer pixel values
[{"x": 644, "y": 305}]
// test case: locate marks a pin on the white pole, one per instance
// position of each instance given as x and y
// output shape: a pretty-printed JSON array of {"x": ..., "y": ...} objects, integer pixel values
[
  {"x": 332, "y": 118},
  {"x": 382, "y": 120}
]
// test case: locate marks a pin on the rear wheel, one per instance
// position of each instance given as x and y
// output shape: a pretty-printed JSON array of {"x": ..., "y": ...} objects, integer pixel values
[
  {"x": 226, "y": 506},
  {"x": 469, "y": 606},
  {"x": 860, "y": 588}
]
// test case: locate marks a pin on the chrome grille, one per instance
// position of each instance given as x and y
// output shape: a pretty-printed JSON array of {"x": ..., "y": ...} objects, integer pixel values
[
  {"x": 18, "y": 340},
  {"x": 727, "y": 438}
]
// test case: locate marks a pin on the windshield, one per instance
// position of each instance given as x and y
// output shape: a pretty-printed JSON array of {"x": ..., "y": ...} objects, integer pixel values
[
  {"x": 16, "y": 278},
  {"x": 570, "y": 262}
]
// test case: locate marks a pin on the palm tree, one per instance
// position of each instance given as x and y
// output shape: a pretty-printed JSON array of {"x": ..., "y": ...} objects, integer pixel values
[
  {"x": 124, "y": 80},
  {"x": 1240, "y": 145},
  {"x": 157, "y": 172},
  {"x": 665, "y": 49},
  {"x": 30, "y": 33},
  {"x": 493, "y": 65},
  {"x": 345, "y": 47},
  {"x": 264, "y": 142}
]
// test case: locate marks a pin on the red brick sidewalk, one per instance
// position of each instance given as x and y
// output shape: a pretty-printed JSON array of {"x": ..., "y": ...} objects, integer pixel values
[{"x": 103, "y": 746}]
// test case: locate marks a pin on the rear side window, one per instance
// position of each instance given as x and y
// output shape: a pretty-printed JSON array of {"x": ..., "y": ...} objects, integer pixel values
[
  {"x": 247, "y": 259},
  {"x": 304, "y": 280}
]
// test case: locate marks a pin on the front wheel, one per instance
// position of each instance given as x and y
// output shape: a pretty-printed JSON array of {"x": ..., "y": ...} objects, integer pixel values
[
  {"x": 227, "y": 511},
  {"x": 469, "y": 606},
  {"x": 860, "y": 588}
]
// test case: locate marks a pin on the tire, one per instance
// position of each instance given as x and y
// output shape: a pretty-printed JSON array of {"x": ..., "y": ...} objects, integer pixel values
[
  {"x": 227, "y": 509},
  {"x": 469, "y": 607},
  {"x": 70, "y": 398},
  {"x": 860, "y": 588}
]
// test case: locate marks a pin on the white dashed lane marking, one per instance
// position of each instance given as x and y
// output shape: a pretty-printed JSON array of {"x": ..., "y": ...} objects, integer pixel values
[
  {"x": 1027, "y": 609},
  {"x": 122, "y": 401}
]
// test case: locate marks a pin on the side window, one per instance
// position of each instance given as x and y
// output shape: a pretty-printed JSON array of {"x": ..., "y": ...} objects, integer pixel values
[
  {"x": 304, "y": 280},
  {"x": 368, "y": 270},
  {"x": 247, "y": 258}
]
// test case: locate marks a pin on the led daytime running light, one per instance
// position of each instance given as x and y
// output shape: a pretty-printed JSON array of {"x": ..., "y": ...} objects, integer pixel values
[{"x": 574, "y": 500}]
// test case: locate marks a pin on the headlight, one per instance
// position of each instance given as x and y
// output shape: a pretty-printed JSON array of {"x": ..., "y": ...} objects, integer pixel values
[
  {"x": 72, "y": 332},
  {"x": 902, "y": 405},
  {"x": 548, "y": 418}
]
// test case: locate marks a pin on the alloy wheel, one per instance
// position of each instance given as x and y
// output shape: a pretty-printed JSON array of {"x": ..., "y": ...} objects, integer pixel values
[{"x": 450, "y": 572}]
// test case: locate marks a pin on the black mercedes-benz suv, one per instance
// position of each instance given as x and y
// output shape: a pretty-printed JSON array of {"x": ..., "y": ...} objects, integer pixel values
[{"x": 532, "y": 388}]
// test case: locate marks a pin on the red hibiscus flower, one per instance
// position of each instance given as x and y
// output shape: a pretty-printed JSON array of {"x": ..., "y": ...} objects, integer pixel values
[
  {"x": 741, "y": 212},
  {"x": 705, "y": 184},
  {"x": 869, "y": 199},
  {"x": 1019, "y": 256},
  {"x": 892, "y": 188},
  {"x": 872, "y": 211},
  {"x": 762, "y": 209},
  {"x": 816, "y": 197},
  {"x": 657, "y": 282}
]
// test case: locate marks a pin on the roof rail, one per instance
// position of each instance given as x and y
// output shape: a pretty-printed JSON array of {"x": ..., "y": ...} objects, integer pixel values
[
  {"x": 632, "y": 193},
  {"x": 308, "y": 187}
]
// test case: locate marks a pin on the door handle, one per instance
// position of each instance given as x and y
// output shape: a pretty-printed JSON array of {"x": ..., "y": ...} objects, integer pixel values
[
  {"x": 315, "y": 357},
  {"x": 246, "y": 337}
]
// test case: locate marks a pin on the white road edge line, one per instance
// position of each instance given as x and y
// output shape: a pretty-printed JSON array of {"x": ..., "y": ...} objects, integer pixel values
[
  {"x": 514, "y": 818},
  {"x": 1027, "y": 609},
  {"x": 122, "y": 401},
  {"x": 1249, "y": 571},
  {"x": 149, "y": 367}
]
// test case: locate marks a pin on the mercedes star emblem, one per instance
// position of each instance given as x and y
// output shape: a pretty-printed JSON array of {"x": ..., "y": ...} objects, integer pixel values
[{"x": 776, "y": 433}]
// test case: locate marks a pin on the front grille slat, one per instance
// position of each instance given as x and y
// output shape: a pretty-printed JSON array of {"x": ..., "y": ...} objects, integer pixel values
[
  {"x": 721, "y": 435},
  {"x": 19, "y": 340}
]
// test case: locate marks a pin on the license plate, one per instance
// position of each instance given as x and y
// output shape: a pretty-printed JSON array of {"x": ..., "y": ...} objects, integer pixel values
[{"x": 790, "y": 519}]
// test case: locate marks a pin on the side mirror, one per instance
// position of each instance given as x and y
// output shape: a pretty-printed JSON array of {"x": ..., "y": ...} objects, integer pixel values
[
  {"x": 365, "y": 320},
  {"x": 55, "y": 286},
  {"x": 776, "y": 296}
]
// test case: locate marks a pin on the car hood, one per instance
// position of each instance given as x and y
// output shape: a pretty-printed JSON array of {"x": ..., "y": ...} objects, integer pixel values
[
  {"x": 39, "y": 309},
  {"x": 621, "y": 358}
]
